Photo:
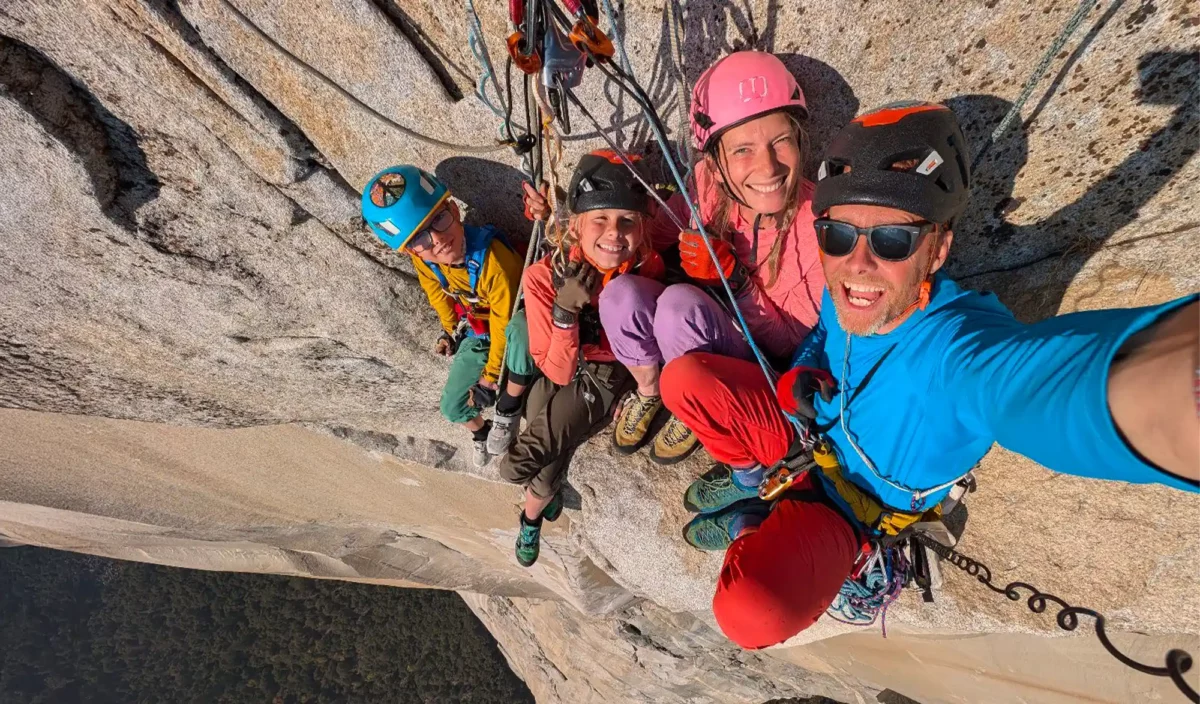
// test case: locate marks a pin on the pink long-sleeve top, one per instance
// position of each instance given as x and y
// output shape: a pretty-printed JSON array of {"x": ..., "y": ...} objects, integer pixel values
[{"x": 779, "y": 316}]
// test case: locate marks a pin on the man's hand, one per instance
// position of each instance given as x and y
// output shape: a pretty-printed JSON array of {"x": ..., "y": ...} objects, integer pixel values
[
  {"x": 445, "y": 345},
  {"x": 537, "y": 207},
  {"x": 575, "y": 285},
  {"x": 698, "y": 264},
  {"x": 798, "y": 387},
  {"x": 483, "y": 394},
  {"x": 1153, "y": 392}
]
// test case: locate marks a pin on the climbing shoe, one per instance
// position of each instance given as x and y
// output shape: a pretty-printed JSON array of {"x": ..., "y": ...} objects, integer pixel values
[
  {"x": 480, "y": 455},
  {"x": 674, "y": 443},
  {"x": 717, "y": 531},
  {"x": 529, "y": 540},
  {"x": 504, "y": 431},
  {"x": 553, "y": 509},
  {"x": 634, "y": 422},
  {"x": 716, "y": 489},
  {"x": 479, "y": 445}
]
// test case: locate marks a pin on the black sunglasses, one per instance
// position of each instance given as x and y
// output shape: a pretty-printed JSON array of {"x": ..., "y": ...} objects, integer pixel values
[
  {"x": 423, "y": 240},
  {"x": 893, "y": 243}
]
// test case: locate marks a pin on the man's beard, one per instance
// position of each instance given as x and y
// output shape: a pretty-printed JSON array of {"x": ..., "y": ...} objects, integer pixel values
[{"x": 896, "y": 302}]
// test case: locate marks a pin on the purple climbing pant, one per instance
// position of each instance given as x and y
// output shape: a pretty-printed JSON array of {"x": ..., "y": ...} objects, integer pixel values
[{"x": 649, "y": 323}]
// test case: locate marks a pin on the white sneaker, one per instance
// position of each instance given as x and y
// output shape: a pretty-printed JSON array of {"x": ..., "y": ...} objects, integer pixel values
[
  {"x": 480, "y": 457},
  {"x": 504, "y": 431}
]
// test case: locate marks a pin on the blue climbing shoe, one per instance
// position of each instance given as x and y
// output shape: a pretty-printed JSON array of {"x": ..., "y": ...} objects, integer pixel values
[
  {"x": 714, "y": 490},
  {"x": 553, "y": 509},
  {"x": 716, "y": 531},
  {"x": 529, "y": 540}
]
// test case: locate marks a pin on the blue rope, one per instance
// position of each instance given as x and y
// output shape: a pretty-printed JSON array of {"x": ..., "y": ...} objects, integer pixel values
[
  {"x": 487, "y": 72},
  {"x": 865, "y": 597},
  {"x": 612, "y": 27}
]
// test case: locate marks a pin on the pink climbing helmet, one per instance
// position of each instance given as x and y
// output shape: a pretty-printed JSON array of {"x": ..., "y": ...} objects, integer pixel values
[{"x": 738, "y": 88}]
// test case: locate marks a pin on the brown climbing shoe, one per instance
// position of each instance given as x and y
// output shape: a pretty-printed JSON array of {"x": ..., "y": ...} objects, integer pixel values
[
  {"x": 674, "y": 443},
  {"x": 634, "y": 422}
]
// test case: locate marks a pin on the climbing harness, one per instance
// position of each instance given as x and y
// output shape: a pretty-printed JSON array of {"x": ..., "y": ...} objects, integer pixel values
[
  {"x": 1039, "y": 72},
  {"x": 466, "y": 303},
  {"x": 1176, "y": 663}
]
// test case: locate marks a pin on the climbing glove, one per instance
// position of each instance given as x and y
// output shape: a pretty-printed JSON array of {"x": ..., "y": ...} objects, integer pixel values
[
  {"x": 574, "y": 284},
  {"x": 797, "y": 388},
  {"x": 446, "y": 345},
  {"x": 698, "y": 263},
  {"x": 482, "y": 395}
]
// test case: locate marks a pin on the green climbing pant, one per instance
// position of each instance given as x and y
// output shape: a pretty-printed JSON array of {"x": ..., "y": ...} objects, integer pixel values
[
  {"x": 471, "y": 358},
  {"x": 516, "y": 355},
  {"x": 468, "y": 364}
]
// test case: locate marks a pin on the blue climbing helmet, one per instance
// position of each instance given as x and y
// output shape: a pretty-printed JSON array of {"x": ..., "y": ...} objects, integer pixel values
[{"x": 399, "y": 201}]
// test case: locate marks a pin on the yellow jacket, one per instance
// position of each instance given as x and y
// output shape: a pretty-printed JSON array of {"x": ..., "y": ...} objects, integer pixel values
[{"x": 496, "y": 290}]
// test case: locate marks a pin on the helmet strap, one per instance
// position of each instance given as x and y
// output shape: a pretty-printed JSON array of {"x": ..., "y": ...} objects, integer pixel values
[{"x": 923, "y": 292}]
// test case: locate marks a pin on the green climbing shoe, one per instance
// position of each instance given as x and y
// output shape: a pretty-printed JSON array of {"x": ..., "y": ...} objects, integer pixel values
[
  {"x": 529, "y": 540},
  {"x": 553, "y": 509},
  {"x": 717, "y": 531},
  {"x": 714, "y": 490}
]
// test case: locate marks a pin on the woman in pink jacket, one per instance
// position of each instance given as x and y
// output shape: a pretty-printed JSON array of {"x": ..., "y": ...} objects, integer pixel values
[{"x": 756, "y": 205}]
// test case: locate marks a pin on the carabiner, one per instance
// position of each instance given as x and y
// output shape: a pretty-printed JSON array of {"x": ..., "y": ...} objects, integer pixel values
[
  {"x": 524, "y": 57},
  {"x": 588, "y": 38}
]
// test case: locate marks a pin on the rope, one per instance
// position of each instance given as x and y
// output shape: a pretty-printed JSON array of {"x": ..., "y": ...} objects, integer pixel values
[
  {"x": 866, "y": 595},
  {"x": 487, "y": 72},
  {"x": 1039, "y": 72},
  {"x": 330, "y": 83},
  {"x": 617, "y": 39},
  {"x": 675, "y": 21},
  {"x": 554, "y": 156}
]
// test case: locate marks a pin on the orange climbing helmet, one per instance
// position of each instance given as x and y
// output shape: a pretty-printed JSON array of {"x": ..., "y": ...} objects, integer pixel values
[{"x": 911, "y": 156}]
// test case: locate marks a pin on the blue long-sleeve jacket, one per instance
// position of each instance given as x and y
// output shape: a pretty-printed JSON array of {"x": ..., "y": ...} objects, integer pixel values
[{"x": 962, "y": 374}]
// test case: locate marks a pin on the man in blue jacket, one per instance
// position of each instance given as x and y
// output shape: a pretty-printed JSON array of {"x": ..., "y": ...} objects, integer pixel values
[{"x": 909, "y": 379}]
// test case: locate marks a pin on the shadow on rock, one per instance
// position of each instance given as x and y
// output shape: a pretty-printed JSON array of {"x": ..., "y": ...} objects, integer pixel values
[
  {"x": 831, "y": 104},
  {"x": 491, "y": 190},
  {"x": 989, "y": 242},
  {"x": 107, "y": 147}
]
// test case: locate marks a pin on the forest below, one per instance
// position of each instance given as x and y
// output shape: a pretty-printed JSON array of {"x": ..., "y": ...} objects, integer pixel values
[{"x": 75, "y": 628}]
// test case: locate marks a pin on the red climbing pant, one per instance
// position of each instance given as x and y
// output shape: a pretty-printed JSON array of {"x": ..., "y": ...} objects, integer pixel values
[
  {"x": 779, "y": 579},
  {"x": 730, "y": 407}
]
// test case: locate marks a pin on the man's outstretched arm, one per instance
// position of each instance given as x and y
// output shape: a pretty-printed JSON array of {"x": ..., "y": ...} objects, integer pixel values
[{"x": 1153, "y": 388}]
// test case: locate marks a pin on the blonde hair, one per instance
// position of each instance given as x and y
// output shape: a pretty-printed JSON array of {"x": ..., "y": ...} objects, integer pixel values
[
  {"x": 722, "y": 216},
  {"x": 565, "y": 239}
]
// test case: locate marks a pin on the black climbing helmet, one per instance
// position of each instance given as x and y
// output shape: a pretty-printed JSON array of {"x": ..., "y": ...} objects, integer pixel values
[
  {"x": 858, "y": 167},
  {"x": 602, "y": 181}
]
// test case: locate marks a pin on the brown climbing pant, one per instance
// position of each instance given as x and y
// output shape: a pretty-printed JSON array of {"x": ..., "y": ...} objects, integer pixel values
[{"x": 561, "y": 418}]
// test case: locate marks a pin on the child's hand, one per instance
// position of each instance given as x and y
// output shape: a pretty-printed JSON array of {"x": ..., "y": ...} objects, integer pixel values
[
  {"x": 574, "y": 286},
  {"x": 483, "y": 394},
  {"x": 444, "y": 346},
  {"x": 536, "y": 205}
]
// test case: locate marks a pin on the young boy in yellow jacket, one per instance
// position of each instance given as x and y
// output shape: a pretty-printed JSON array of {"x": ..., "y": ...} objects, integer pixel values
[{"x": 470, "y": 276}]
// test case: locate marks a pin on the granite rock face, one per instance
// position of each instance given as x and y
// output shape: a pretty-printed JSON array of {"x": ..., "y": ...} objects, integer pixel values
[{"x": 182, "y": 252}]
